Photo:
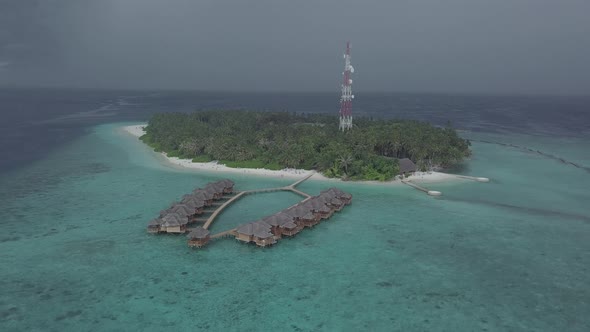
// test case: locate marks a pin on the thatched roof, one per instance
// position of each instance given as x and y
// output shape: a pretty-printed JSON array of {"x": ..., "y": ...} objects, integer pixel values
[
  {"x": 336, "y": 201},
  {"x": 216, "y": 188},
  {"x": 183, "y": 210},
  {"x": 296, "y": 211},
  {"x": 198, "y": 233},
  {"x": 277, "y": 219},
  {"x": 193, "y": 202},
  {"x": 261, "y": 230},
  {"x": 406, "y": 165},
  {"x": 172, "y": 219},
  {"x": 308, "y": 216},
  {"x": 202, "y": 194},
  {"x": 289, "y": 225},
  {"x": 246, "y": 229}
]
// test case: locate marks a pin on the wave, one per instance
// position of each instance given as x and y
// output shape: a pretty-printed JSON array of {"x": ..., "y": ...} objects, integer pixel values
[{"x": 539, "y": 152}]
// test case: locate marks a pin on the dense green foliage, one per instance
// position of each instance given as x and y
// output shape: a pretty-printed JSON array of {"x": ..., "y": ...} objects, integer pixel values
[{"x": 282, "y": 140}]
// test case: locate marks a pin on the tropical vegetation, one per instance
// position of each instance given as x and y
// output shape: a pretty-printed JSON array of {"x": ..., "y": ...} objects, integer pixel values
[{"x": 278, "y": 140}]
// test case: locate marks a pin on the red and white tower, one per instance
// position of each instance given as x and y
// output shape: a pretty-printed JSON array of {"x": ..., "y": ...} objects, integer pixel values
[{"x": 347, "y": 96}]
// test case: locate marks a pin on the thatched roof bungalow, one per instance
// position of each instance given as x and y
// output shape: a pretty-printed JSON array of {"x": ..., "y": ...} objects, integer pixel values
[
  {"x": 309, "y": 219},
  {"x": 214, "y": 190},
  {"x": 194, "y": 203},
  {"x": 198, "y": 237},
  {"x": 406, "y": 166},
  {"x": 183, "y": 210},
  {"x": 336, "y": 204},
  {"x": 228, "y": 186},
  {"x": 203, "y": 195},
  {"x": 337, "y": 193},
  {"x": 245, "y": 232},
  {"x": 289, "y": 228},
  {"x": 262, "y": 235},
  {"x": 319, "y": 207},
  {"x": 174, "y": 223}
]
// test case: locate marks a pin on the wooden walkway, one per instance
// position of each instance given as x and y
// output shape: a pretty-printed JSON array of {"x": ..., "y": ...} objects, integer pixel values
[
  {"x": 426, "y": 190},
  {"x": 220, "y": 207}
]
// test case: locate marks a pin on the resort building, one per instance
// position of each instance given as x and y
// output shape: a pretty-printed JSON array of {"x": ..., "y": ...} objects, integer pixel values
[
  {"x": 203, "y": 195},
  {"x": 264, "y": 232},
  {"x": 406, "y": 167},
  {"x": 262, "y": 235},
  {"x": 245, "y": 232},
  {"x": 174, "y": 223},
  {"x": 198, "y": 237}
]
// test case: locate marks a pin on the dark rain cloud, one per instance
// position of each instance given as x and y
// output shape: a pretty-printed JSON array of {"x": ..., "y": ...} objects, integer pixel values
[{"x": 502, "y": 46}]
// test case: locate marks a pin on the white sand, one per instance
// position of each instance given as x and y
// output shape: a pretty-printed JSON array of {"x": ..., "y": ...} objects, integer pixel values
[{"x": 137, "y": 131}]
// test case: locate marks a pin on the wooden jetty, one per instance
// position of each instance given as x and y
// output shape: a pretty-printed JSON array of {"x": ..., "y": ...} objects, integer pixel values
[{"x": 426, "y": 190}]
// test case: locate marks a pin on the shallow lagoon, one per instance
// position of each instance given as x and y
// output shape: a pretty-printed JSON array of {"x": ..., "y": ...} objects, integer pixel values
[{"x": 512, "y": 254}]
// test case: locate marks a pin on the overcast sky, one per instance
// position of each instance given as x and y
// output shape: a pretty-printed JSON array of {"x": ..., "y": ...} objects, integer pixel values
[{"x": 473, "y": 46}]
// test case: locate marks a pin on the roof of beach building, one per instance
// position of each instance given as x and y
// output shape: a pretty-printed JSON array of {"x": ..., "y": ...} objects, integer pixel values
[
  {"x": 406, "y": 165},
  {"x": 198, "y": 233}
]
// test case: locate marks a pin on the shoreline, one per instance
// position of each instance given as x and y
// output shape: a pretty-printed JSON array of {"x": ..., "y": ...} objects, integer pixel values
[{"x": 212, "y": 166}]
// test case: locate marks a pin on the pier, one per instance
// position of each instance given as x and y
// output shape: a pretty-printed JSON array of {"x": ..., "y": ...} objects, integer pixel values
[
  {"x": 290, "y": 187},
  {"x": 438, "y": 193},
  {"x": 427, "y": 191}
]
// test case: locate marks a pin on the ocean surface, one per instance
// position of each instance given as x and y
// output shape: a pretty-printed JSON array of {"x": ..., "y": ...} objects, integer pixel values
[{"x": 510, "y": 255}]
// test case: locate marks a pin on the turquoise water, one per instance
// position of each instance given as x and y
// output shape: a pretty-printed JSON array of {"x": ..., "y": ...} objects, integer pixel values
[{"x": 510, "y": 255}]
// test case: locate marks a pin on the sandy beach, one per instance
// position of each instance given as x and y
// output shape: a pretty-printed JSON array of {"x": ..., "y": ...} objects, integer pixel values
[{"x": 137, "y": 131}]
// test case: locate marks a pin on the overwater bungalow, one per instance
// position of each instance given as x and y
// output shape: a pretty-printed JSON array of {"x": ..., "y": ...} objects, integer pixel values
[
  {"x": 195, "y": 204},
  {"x": 303, "y": 216},
  {"x": 309, "y": 219},
  {"x": 289, "y": 228},
  {"x": 245, "y": 232},
  {"x": 319, "y": 207},
  {"x": 228, "y": 186},
  {"x": 220, "y": 186},
  {"x": 174, "y": 223},
  {"x": 214, "y": 191},
  {"x": 336, "y": 204},
  {"x": 203, "y": 195},
  {"x": 337, "y": 193},
  {"x": 262, "y": 235},
  {"x": 198, "y": 237},
  {"x": 406, "y": 167},
  {"x": 276, "y": 221},
  {"x": 154, "y": 226},
  {"x": 184, "y": 210}
]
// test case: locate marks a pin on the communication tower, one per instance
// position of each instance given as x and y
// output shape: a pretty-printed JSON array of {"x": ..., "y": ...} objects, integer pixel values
[{"x": 347, "y": 96}]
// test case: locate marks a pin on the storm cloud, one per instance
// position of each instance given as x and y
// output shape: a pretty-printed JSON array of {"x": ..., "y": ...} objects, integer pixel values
[{"x": 472, "y": 46}]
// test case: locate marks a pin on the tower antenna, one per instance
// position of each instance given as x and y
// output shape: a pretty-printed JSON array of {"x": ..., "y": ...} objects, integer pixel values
[{"x": 347, "y": 96}]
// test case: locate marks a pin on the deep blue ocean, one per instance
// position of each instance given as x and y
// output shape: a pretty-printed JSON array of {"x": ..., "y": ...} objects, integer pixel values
[{"x": 76, "y": 194}]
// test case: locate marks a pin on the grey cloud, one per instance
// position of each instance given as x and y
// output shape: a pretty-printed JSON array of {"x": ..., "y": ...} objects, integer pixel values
[{"x": 503, "y": 46}]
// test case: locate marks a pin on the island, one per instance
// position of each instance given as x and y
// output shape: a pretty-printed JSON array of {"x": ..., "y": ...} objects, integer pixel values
[{"x": 372, "y": 150}]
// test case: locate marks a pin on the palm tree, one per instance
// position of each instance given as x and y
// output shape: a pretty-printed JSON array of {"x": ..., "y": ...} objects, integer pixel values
[{"x": 345, "y": 161}]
